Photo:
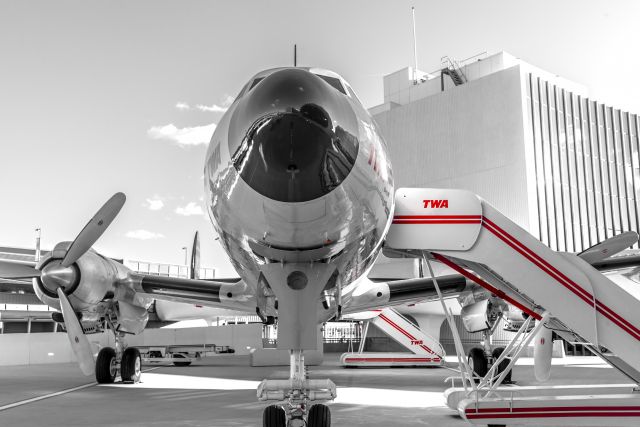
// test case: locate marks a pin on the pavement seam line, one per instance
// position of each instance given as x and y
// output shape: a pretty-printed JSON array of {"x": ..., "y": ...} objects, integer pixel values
[
  {"x": 57, "y": 393},
  {"x": 46, "y": 396}
]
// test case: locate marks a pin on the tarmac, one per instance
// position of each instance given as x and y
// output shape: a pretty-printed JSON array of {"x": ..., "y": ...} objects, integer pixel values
[{"x": 220, "y": 392}]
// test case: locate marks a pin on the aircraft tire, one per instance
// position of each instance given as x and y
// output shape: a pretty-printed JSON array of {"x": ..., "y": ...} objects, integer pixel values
[
  {"x": 131, "y": 365},
  {"x": 106, "y": 366},
  {"x": 319, "y": 416},
  {"x": 478, "y": 361},
  {"x": 503, "y": 365},
  {"x": 274, "y": 416}
]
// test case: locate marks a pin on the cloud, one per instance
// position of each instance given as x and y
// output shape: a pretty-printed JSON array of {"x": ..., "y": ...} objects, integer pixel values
[
  {"x": 154, "y": 204},
  {"x": 227, "y": 100},
  {"x": 212, "y": 108},
  {"x": 192, "y": 208},
  {"x": 197, "y": 135},
  {"x": 143, "y": 235},
  {"x": 183, "y": 106}
]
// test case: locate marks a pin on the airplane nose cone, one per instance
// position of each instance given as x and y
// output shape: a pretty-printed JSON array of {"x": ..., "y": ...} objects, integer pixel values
[{"x": 294, "y": 137}]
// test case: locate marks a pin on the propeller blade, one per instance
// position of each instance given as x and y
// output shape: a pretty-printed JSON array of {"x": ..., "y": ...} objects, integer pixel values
[
  {"x": 94, "y": 229},
  {"x": 608, "y": 248},
  {"x": 79, "y": 342},
  {"x": 195, "y": 258}
]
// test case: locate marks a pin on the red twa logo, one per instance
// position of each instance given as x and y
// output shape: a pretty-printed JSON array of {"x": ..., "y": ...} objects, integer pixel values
[{"x": 436, "y": 204}]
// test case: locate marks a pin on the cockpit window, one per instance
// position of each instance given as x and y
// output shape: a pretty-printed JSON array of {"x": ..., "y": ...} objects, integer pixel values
[
  {"x": 255, "y": 82},
  {"x": 350, "y": 91},
  {"x": 335, "y": 82}
]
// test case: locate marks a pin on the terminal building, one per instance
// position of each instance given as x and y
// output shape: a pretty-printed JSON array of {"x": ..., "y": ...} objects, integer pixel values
[{"x": 562, "y": 165}]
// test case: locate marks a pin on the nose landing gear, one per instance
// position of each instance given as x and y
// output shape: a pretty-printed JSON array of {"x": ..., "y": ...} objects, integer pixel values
[{"x": 297, "y": 392}]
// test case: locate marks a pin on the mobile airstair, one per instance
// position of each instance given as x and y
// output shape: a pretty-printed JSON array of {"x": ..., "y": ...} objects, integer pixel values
[
  {"x": 560, "y": 291},
  {"x": 423, "y": 349}
]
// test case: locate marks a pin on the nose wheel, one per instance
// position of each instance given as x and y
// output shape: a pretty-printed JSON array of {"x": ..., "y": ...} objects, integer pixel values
[
  {"x": 319, "y": 416},
  {"x": 275, "y": 416}
]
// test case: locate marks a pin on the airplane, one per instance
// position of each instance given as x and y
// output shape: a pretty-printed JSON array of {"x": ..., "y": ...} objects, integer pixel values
[{"x": 299, "y": 188}]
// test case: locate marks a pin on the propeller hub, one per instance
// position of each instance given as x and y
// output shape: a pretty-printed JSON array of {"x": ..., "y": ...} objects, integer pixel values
[{"x": 54, "y": 276}]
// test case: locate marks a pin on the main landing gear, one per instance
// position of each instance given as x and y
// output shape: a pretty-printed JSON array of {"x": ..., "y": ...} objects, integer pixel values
[
  {"x": 481, "y": 360},
  {"x": 126, "y": 361},
  {"x": 479, "y": 363},
  {"x": 296, "y": 392}
]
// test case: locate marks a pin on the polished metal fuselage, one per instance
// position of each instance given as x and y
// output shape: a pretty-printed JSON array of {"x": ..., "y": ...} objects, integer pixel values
[{"x": 345, "y": 226}]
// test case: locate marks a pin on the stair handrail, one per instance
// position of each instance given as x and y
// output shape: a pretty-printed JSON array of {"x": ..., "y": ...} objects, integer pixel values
[{"x": 453, "y": 65}]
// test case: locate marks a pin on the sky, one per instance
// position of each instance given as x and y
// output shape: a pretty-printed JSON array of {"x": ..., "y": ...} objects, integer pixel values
[{"x": 105, "y": 96}]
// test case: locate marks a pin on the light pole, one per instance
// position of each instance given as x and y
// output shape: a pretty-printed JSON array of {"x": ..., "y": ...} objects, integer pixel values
[
  {"x": 37, "y": 255},
  {"x": 184, "y": 248}
]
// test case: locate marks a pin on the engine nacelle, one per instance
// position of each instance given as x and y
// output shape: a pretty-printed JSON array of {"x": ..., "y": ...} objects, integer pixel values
[
  {"x": 481, "y": 315},
  {"x": 86, "y": 282},
  {"x": 515, "y": 318}
]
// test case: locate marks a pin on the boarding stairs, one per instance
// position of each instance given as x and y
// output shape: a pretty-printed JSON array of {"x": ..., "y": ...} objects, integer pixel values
[
  {"x": 423, "y": 349},
  {"x": 559, "y": 290}
]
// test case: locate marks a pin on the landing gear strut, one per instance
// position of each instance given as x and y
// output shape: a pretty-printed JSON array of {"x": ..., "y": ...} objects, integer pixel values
[
  {"x": 296, "y": 392},
  {"x": 123, "y": 360}
]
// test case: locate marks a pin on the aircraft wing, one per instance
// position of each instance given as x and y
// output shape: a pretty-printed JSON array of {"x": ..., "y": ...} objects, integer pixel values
[
  {"x": 626, "y": 259},
  {"x": 232, "y": 294},
  {"x": 15, "y": 275},
  {"x": 370, "y": 295},
  {"x": 17, "y": 270}
]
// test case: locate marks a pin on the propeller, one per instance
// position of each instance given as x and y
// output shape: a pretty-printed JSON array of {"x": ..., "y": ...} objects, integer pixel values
[{"x": 56, "y": 276}]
